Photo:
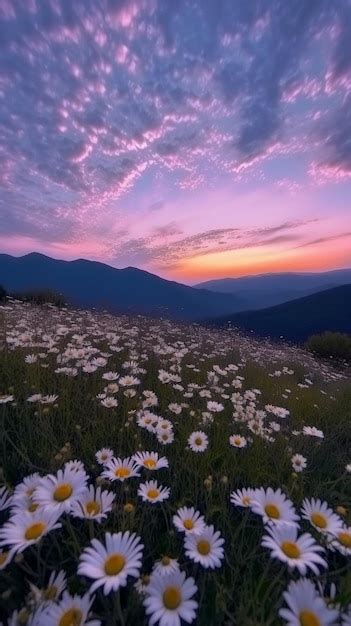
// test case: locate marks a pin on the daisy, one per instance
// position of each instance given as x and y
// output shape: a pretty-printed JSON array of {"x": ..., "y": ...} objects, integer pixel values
[
  {"x": 150, "y": 460},
  {"x": 5, "y": 498},
  {"x": 312, "y": 431},
  {"x": 165, "y": 566},
  {"x": 274, "y": 506},
  {"x": 205, "y": 548},
  {"x": 59, "y": 492},
  {"x": 242, "y": 497},
  {"x": 23, "y": 529},
  {"x": 56, "y": 585},
  {"x": 24, "y": 490},
  {"x": 165, "y": 436},
  {"x": 198, "y": 441},
  {"x": 298, "y": 462},
  {"x": 93, "y": 504},
  {"x": 298, "y": 552},
  {"x": 151, "y": 492},
  {"x": 189, "y": 521},
  {"x": 214, "y": 407},
  {"x": 168, "y": 599},
  {"x": 321, "y": 516},
  {"x": 110, "y": 563},
  {"x": 341, "y": 540},
  {"x": 305, "y": 606},
  {"x": 104, "y": 455},
  {"x": 75, "y": 465},
  {"x": 70, "y": 611},
  {"x": 237, "y": 441},
  {"x": 120, "y": 469}
]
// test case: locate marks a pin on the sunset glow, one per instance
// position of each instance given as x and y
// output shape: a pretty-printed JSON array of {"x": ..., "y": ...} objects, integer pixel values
[{"x": 194, "y": 140}]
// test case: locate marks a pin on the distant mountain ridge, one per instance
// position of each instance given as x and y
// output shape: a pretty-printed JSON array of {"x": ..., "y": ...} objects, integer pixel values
[
  {"x": 266, "y": 290},
  {"x": 130, "y": 290},
  {"x": 298, "y": 319}
]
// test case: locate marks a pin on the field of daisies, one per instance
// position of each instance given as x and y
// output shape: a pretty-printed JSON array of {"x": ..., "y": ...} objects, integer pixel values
[{"x": 159, "y": 473}]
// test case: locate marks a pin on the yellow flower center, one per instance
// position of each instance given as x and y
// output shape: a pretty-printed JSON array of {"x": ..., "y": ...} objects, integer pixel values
[
  {"x": 153, "y": 493},
  {"x": 122, "y": 472},
  {"x": 237, "y": 441},
  {"x": 188, "y": 524},
  {"x": 3, "y": 557},
  {"x": 272, "y": 511},
  {"x": 203, "y": 547},
  {"x": 172, "y": 598},
  {"x": 103, "y": 457},
  {"x": 164, "y": 437},
  {"x": 345, "y": 539},
  {"x": 51, "y": 593},
  {"x": 150, "y": 463},
  {"x": 290, "y": 549},
  {"x": 34, "y": 531},
  {"x": 32, "y": 507},
  {"x": 319, "y": 520},
  {"x": 72, "y": 617},
  {"x": 114, "y": 564},
  {"x": 62, "y": 492},
  {"x": 246, "y": 500},
  {"x": 198, "y": 441},
  {"x": 165, "y": 560},
  {"x": 307, "y": 618},
  {"x": 92, "y": 507},
  {"x": 128, "y": 507}
]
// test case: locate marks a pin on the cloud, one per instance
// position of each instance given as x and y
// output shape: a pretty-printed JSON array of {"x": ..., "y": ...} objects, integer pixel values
[{"x": 104, "y": 100}]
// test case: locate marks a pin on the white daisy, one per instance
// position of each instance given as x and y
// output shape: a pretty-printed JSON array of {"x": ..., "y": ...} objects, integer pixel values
[
  {"x": 189, "y": 521},
  {"x": 104, "y": 455},
  {"x": 242, "y": 497},
  {"x": 93, "y": 504},
  {"x": 298, "y": 462},
  {"x": 298, "y": 552},
  {"x": 165, "y": 566},
  {"x": 305, "y": 606},
  {"x": 237, "y": 441},
  {"x": 169, "y": 599},
  {"x": 205, "y": 548},
  {"x": 321, "y": 516},
  {"x": 24, "y": 529},
  {"x": 70, "y": 611},
  {"x": 198, "y": 441},
  {"x": 111, "y": 563},
  {"x": 150, "y": 491},
  {"x": 120, "y": 469},
  {"x": 341, "y": 540},
  {"x": 312, "y": 431},
  {"x": 273, "y": 506},
  {"x": 150, "y": 460},
  {"x": 59, "y": 492}
]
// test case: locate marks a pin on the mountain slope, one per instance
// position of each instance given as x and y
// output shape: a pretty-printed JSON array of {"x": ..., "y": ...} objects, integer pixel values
[
  {"x": 298, "y": 319},
  {"x": 267, "y": 290},
  {"x": 92, "y": 284}
]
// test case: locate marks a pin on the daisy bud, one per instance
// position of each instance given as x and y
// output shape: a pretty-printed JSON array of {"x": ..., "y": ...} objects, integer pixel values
[
  {"x": 224, "y": 480},
  {"x": 58, "y": 457},
  {"x": 46, "y": 410},
  {"x": 341, "y": 510},
  {"x": 129, "y": 508},
  {"x": 208, "y": 483}
]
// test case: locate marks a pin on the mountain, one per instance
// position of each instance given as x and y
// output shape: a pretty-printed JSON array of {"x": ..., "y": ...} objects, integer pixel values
[
  {"x": 298, "y": 319},
  {"x": 91, "y": 284},
  {"x": 270, "y": 289}
]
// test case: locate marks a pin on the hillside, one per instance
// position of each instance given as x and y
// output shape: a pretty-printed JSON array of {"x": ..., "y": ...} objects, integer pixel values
[
  {"x": 298, "y": 319},
  {"x": 91, "y": 284},
  {"x": 267, "y": 290}
]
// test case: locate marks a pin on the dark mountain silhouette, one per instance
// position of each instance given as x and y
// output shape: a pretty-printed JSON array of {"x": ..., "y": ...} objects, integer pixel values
[
  {"x": 267, "y": 290},
  {"x": 298, "y": 319},
  {"x": 90, "y": 284}
]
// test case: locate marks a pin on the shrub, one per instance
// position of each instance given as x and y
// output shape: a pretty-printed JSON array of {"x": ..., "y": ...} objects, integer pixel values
[
  {"x": 43, "y": 296},
  {"x": 3, "y": 293},
  {"x": 328, "y": 344}
]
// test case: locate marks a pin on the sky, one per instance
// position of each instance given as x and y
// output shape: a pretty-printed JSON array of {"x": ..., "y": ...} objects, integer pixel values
[{"x": 195, "y": 139}]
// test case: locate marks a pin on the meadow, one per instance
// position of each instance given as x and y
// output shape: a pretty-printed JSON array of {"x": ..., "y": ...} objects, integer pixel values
[{"x": 154, "y": 472}]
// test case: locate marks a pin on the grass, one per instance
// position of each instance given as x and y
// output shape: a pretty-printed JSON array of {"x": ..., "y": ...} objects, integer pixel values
[{"x": 247, "y": 589}]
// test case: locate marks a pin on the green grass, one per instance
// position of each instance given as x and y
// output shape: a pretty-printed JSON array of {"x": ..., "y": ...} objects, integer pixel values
[{"x": 247, "y": 589}]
